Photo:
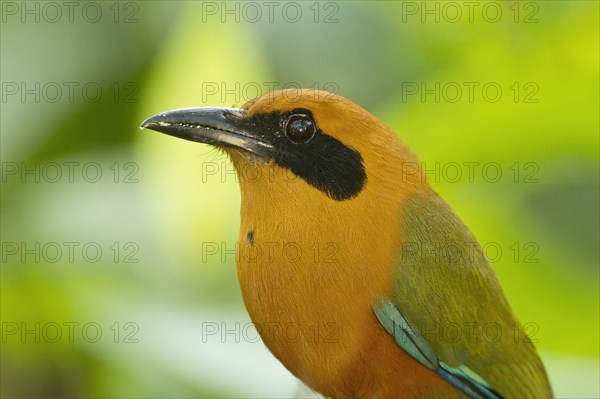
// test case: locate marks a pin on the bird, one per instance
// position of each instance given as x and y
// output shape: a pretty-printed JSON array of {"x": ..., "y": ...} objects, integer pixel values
[{"x": 358, "y": 276}]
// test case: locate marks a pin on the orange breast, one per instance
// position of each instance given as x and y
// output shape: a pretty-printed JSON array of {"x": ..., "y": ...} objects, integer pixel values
[{"x": 309, "y": 277}]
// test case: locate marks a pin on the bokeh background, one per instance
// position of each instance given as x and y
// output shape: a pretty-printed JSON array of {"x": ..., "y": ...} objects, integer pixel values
[{"x": 108, "y": 287}]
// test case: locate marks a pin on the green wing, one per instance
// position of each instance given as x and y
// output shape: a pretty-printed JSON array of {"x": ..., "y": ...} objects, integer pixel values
[{"x": 448, "y": 310}]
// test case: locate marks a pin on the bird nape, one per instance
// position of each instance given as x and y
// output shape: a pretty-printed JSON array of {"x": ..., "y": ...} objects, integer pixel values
[{"x": 350, "y": 298}]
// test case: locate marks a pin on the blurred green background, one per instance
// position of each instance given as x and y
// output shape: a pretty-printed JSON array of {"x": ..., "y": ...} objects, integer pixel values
[{"x": 107, "y": 289}]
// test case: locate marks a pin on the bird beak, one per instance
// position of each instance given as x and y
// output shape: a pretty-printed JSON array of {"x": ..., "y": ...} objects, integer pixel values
[{"x": 210, "y": 125}]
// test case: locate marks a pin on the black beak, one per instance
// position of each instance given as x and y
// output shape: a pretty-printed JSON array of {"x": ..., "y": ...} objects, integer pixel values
[{"x": 210, "y": 125}]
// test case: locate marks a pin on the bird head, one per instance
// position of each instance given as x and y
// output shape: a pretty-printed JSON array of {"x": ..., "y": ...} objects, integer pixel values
[{"x": 299, "y": 142}]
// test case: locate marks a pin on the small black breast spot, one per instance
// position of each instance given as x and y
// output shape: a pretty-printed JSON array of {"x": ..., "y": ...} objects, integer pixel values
[{"x": 250, "y": 237}]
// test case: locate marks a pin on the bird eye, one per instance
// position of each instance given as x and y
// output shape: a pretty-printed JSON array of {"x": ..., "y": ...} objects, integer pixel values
[{"x": 299, "y": 128}]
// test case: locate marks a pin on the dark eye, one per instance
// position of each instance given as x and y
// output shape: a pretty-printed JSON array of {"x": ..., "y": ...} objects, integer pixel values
[{"x": 299, "y": 128}]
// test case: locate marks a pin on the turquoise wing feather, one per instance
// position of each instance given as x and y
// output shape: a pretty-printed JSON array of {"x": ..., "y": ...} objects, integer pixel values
[{"x": 415, "y": 345}]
